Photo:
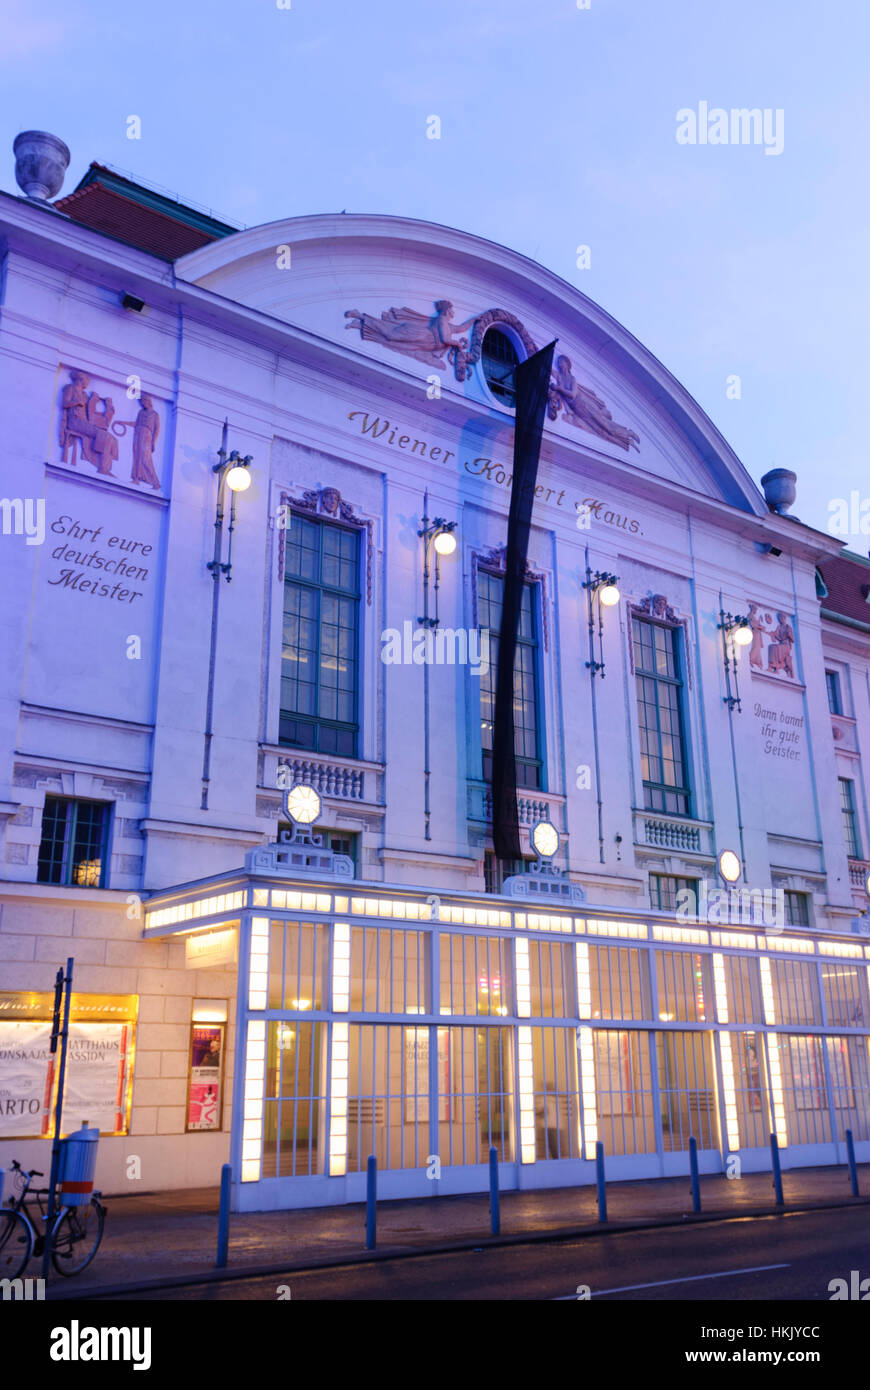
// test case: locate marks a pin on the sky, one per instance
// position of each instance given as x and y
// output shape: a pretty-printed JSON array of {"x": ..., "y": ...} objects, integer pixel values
[{"x": 558, "y": 129}]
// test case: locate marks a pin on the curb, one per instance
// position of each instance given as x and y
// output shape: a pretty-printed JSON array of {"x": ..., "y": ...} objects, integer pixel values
[{"x": 210, "y": 1275}]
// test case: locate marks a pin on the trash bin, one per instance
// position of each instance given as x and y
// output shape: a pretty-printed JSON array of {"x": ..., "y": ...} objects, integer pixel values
[{"x": 77, "y": 1165}]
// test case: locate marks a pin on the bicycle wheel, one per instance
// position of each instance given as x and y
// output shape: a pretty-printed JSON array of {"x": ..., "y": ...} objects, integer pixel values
[
  {"x": 76, "y": 1236},
  {"x": 16, "y": 1242}
]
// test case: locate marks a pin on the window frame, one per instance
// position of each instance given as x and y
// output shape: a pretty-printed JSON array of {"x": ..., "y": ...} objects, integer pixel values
[
  {"x": 849, "y": 815},
  {"x": 539, "y": 762},
  {"x": 835, "y": 691},
  {"x": 678, "y": 682},
  {"x": 73, "y": 805},
  {"x": 317, "y": 721}
]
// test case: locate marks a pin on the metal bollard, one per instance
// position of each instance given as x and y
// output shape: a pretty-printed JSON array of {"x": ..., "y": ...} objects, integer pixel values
[
  {"x": 602, "y": 1191},
  {"x": 371, "y": 1201},
  {"x": 224, "y": 1216},
  {"x": 853, "y": 1171},
  {"x": 494, "y": 1213},
  {"x": 777, "y": 1171},
  {"x": 693, "y": 1164}
]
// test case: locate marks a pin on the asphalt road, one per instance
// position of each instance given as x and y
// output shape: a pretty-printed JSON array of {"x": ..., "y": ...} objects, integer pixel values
[{"x": 792, "y": 1256}]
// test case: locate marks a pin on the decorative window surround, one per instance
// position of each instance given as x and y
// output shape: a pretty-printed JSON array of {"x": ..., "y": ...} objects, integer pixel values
[
  {"x": 657, "y": 608},
  {"x": 494, "y": 561},
  {"x": 327, "y": 501}
]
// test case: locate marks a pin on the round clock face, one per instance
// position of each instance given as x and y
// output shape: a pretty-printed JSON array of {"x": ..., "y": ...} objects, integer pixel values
[
  {"x": 303, "y": 804},
  {"x": 545, "y": 838},
  {"x": 729, "y": 866}
]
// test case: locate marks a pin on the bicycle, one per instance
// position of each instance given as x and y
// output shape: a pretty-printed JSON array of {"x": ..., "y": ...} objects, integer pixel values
[{"x": 72, "y": 1227}]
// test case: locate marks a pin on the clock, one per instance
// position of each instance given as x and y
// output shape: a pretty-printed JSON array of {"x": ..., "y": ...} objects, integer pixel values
[
  {"x": 545, "y": 839},
  {"x": 302, "y": 804}
]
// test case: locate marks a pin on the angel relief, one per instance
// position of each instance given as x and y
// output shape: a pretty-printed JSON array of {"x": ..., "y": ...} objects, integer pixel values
[
  {"x": 426, "y": 337},
  {"x": 581, "y": 407}
]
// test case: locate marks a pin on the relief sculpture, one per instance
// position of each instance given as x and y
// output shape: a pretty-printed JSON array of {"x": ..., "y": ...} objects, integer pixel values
[
  {"x": 780, "y": 646},
  {"x": 436, "y": 340},
  {"x": 90, "y": 432}
]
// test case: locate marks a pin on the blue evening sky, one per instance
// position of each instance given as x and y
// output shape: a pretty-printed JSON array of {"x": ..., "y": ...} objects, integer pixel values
[{"x": 558, "y": 129}]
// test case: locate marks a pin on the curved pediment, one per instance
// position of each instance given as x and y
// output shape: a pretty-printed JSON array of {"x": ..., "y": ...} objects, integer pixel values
[{"x": 422, "y": 297}]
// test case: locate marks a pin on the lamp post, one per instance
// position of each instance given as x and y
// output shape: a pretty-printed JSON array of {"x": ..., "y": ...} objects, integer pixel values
[
  {"x": 233, "y": 475},
  {"x": 601, "y": 592},
  {"x": 437, "y": 534}
]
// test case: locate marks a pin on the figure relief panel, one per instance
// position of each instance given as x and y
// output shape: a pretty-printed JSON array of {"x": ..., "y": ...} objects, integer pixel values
[{"x": 97, "y": 439}]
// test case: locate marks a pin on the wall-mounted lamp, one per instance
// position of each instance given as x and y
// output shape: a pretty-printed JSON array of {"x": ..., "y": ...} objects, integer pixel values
[
  {"x": 437, "y": 534},
  {"x": 601, "y": 589},
  {"x": 302, "y": 807},
  {"x": 234, "y": 473},
  {"x": 545, "y": 840},
  {"x": 736, "y": 632}
]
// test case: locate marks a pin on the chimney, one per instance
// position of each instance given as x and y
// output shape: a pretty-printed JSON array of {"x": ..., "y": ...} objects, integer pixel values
[
  {"x": 779, "y": 489},
  {"x": 41, "y": 160}
]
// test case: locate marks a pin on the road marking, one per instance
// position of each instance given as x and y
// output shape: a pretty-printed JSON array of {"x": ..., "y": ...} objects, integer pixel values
[{"x": 659, "y": 1283}]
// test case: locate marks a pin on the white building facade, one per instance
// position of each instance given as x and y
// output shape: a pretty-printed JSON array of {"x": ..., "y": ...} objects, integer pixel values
[{"x": 295, "y": 1007}]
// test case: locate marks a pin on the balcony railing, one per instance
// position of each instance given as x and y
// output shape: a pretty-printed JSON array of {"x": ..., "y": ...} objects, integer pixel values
[{"x": 671, "y": 832}]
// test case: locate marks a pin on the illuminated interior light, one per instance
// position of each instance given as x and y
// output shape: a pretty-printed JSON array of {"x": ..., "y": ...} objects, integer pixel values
[
  {"x": 252, "y": 1124},
  {"x": 526, "y": 1088},
  {"x": 341, "y": 968},
  {"x": 523, "y": 978},
  {"x": 588, "y": 1098},
  {"x": 338, "y": 1093},
  {"x": 732, "y": 1128},
  {"x": 584, "y": 986},
  {"x": 258, "y": 974}
]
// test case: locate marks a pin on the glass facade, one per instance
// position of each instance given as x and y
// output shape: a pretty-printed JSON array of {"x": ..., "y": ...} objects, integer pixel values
[{"x": 426, "y": 1043}]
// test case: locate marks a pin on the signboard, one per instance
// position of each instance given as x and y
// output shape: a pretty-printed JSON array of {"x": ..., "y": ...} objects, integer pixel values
[
  {"x": 205, "y": 1083},
  {"x": 210, "y": 948},
  {"x": 99, "y": 1064}
]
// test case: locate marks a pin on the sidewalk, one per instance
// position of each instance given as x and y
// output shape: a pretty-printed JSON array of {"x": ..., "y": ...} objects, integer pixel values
[{"x": 174, "y": 1234}]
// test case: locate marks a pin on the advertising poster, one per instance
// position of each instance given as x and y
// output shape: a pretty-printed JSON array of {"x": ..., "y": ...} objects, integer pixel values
[
  {"x": 206, "y": 1076},
  {"x": 24, "y": 1078},
  {"x": 96, "y": 1066}
]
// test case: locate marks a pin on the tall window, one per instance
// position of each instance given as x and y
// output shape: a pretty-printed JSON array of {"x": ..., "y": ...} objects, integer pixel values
[
  {"x": 73, "y": 845},
  {"x": 527, "y": 743},
  {"x": 319, "y": 664},
  {"x": 663, "y": 890},
  {"x": 850, "y": 820},
  {"x": 660, "y": 718},
  {"x": 832, "y": 680}
]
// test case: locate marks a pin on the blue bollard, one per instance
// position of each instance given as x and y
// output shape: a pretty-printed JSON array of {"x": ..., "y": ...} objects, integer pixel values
[
  {"x": 693, "y": 1164},
  {"x": 371, "y": 1201},
  {"x": 853, "y": 1171},
  {"x": 224, "y": 1216},
  {"x": 602, "y": 1191},
  {"x": 494, "y": 1214},
  {"x": 777, "y": 1171}
]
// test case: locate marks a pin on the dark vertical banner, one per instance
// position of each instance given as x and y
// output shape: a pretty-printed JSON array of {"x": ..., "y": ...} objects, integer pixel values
[{"x": 532, "y": 387}]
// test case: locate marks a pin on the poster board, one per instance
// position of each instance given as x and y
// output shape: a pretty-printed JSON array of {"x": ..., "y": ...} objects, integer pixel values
[
  {"x": 99, "y": 1065},
  {"x": 205, "y": 1083}
]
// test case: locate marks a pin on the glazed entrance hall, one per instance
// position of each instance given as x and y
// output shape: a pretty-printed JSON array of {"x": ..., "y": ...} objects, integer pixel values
[{"x": 425, "y": 1032}]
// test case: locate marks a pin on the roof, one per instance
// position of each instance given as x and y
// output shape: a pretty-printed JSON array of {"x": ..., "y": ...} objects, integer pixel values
[
  {"x": 147, "y": 218},
  {"x": 847, "y": 580}
]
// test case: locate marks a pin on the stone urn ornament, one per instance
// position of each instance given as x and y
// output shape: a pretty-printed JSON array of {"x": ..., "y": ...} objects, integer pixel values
[
  {"x": 779, "y": 489},
  {"x": 41, "y": 161}
]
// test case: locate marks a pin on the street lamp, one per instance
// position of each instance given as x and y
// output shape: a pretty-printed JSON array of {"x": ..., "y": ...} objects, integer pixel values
[
  {"x": 233, "y": 473},
  {"x": 439, "y": 535},
  {"x": 736, "y": 631},
  {"x": 601, "y": 589}
]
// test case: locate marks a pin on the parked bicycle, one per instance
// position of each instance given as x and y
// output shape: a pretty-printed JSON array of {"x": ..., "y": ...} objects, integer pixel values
[{"x": 75, "y": 1235}]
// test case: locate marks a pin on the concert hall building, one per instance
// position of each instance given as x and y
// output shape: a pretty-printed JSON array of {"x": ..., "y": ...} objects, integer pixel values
[{"x": 255, "y": 499}]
